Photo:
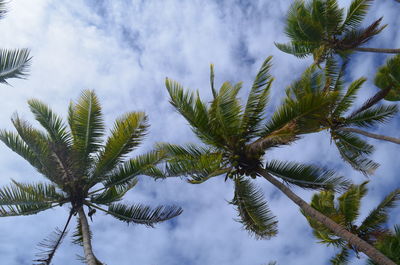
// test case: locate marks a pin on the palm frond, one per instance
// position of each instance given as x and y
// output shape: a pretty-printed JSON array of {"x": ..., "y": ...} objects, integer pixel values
[
  {"x": 125, "y": 173},
  {"x": 113, "y": 194},
  {"x": 356, "y": 37},
  {"x": 194, "y": 111},
  {"x": 390, "y": 246},
  {"x": 306, "y": 176},
  {"x": 356, "y": 13},
  {"x": 49, "y": 245},
  {"x": 3, "y": 8},
  {"x": 13, "y": 63},
  {"x": 140, "y": 214},
  {"x": 253, "y": 211},
  {"x": 257, "y": 101},
  {"x": 354, "y": 150},
  {"x": 87, "y": 127},
  {"x": 298, "y": 49},
  {"x": 127, "y": 134},
  {"x": 348, "y": 99},
  {"x": 350, "y": 201},
  {"x": 379, "y": 215},
  {"x": 373, "y": 115},
  {"x": 51, "y": 122}
]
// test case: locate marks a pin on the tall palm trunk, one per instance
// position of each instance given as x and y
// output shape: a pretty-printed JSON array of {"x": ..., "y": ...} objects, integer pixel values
[
  {"x": 339, "y": 230},
  {"x": 87, "y": 245},
  {"x": 371, "y": 135},
  {"x": 377, "y": 50}
]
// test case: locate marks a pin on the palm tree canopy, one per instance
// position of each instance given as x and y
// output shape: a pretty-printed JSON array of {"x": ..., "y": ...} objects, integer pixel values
[
  {"x": 390, "y": 246},
  {"x": 80, "y": 168},
  {"x": 235, "y": 139},
  {"x": 320, "y": 28},
  {"x": 353, "y": 149},
  {"x": 345, "y": 210}
]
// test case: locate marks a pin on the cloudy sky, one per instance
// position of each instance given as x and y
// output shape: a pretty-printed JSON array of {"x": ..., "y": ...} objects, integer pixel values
[{"x": 124, "y": 50}]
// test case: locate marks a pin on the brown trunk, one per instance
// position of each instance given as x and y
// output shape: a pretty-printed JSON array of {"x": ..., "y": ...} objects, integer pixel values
[
  {"x": 87, "y": 245},
  {"x": 339, "y": 230},
  {"x": 371, "y": 135},
  {"x": 377, "y": 50}
]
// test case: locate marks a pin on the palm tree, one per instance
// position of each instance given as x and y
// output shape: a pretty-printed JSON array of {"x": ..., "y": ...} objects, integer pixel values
[
  {"x": 344, "y": 126},
  {"x": 82, "y": 170},
  {"x": 235, "y": 139},
  {"x": 345, "y": 211},
  {"x": 320, "y": 28},
  {"x": 388, "y": 79},
  {"x": 14, "y": 63}
]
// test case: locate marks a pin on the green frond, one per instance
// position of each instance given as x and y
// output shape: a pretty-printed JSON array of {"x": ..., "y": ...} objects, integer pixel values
[
  {"x": 140, "y": 214},
  {"x": 306, "y": 176},
  {"x": 194, "y": 111},
  {"x": 354, "y": 150},
  {"x": 43, "y": 191},
  {"x": 356, "y": 13},
  {"x": 87, "y": 127},
  {"x": 126, "y": 135},
  {"x": 253, "y": 211},
  {"x": 379, "y": 216},
  {"x": 125, "y": 173},
  {"x": 299, "y": 112},
  {"x": 15, "y": 143},
  {"x": 342, "y": 258},
  {"x": 350, "y": 201},
  {"x": 13, "y": 63},
  {"x": 114, "y": 193},
  {"x": 225, "y": 113},
  {"x": 299, "y": 49},
  {"x": 53, "y": 124},
  {"x": 390, "y": 246},
  {"x": 353, "y": 38},
  {"x": 372, "y": 116},
  {"x": 257, "y": 101},
  {"x": 348, "y": 99},
  {"x": 388, "y": 77}
]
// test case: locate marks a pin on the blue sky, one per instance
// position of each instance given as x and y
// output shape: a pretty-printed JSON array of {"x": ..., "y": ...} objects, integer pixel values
[{"x": 124, "y": 50}]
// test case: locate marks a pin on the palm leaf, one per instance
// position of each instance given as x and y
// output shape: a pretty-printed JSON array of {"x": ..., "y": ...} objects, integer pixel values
[
  {"x": 353, "y": 150},
  {"x": 257, "y": 101},
  {"x": 49, "y": 245},
  {"x": 253, "y": 211},
  {"x": 51, "y": 122},
  {"x": 127, "y": 134},
  {"x": 140, "y": 214},
  {"x": 387, "y": 78},
  {"x": 113, "y": 194},
  {"x": 342, "y": 258},
  {"x": 350, "y": 201},
  {"x": 372, "y": 116},
  {"x": 299, "y": 49},
  {"x": 379, "y": 215},
  {"x": 13, "y": 63},
  {"x": 87, "y": 128},
  {"x": 348, "y": 99},
  {"x": 356, "y": 13},
  {"x": 306, "y": 176}
]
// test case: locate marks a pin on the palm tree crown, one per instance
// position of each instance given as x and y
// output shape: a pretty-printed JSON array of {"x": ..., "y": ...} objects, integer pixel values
[
  {"x": 322, "y": 29},
  {"x": 345, "y": 211},
  {"x": 82, "y": 170}
]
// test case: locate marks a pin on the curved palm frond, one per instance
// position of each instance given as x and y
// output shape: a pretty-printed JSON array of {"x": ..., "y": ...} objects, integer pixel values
[
  {"x": 306, "y": 176},
  {"x": 348, "y": 99},
  {"x": 53, "y": 124},
  {"x": 372, "y": 116},
  {"x": 390, "y": 246},
  {"x": 342, "y": 258},
  {"x": 253, "y": 210},
  {"x": 114, "y": 193},
  {"x": 350, "y": 201},
  {"x": 379, "y": 216},
  {"x": 356, "y": 13},
  {"x": 127, "y": 134},
  {"x": 257, "y": 101},
  {"x": 13, "y": 63},
  {"x": 87, "y": 127},
  {"x": 140, "y": 214}
]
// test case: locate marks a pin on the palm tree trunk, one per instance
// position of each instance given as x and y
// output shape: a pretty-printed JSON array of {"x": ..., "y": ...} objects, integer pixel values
[
  {"x": 371, "y": 135},
  {"x": 87, "y": 245},
  {"x": 377, "y": 50},
  {"x": 339, "y": 230}
]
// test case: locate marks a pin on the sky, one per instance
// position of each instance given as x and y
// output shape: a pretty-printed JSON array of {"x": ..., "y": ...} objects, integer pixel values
[{"x": 124, "y": 50}]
